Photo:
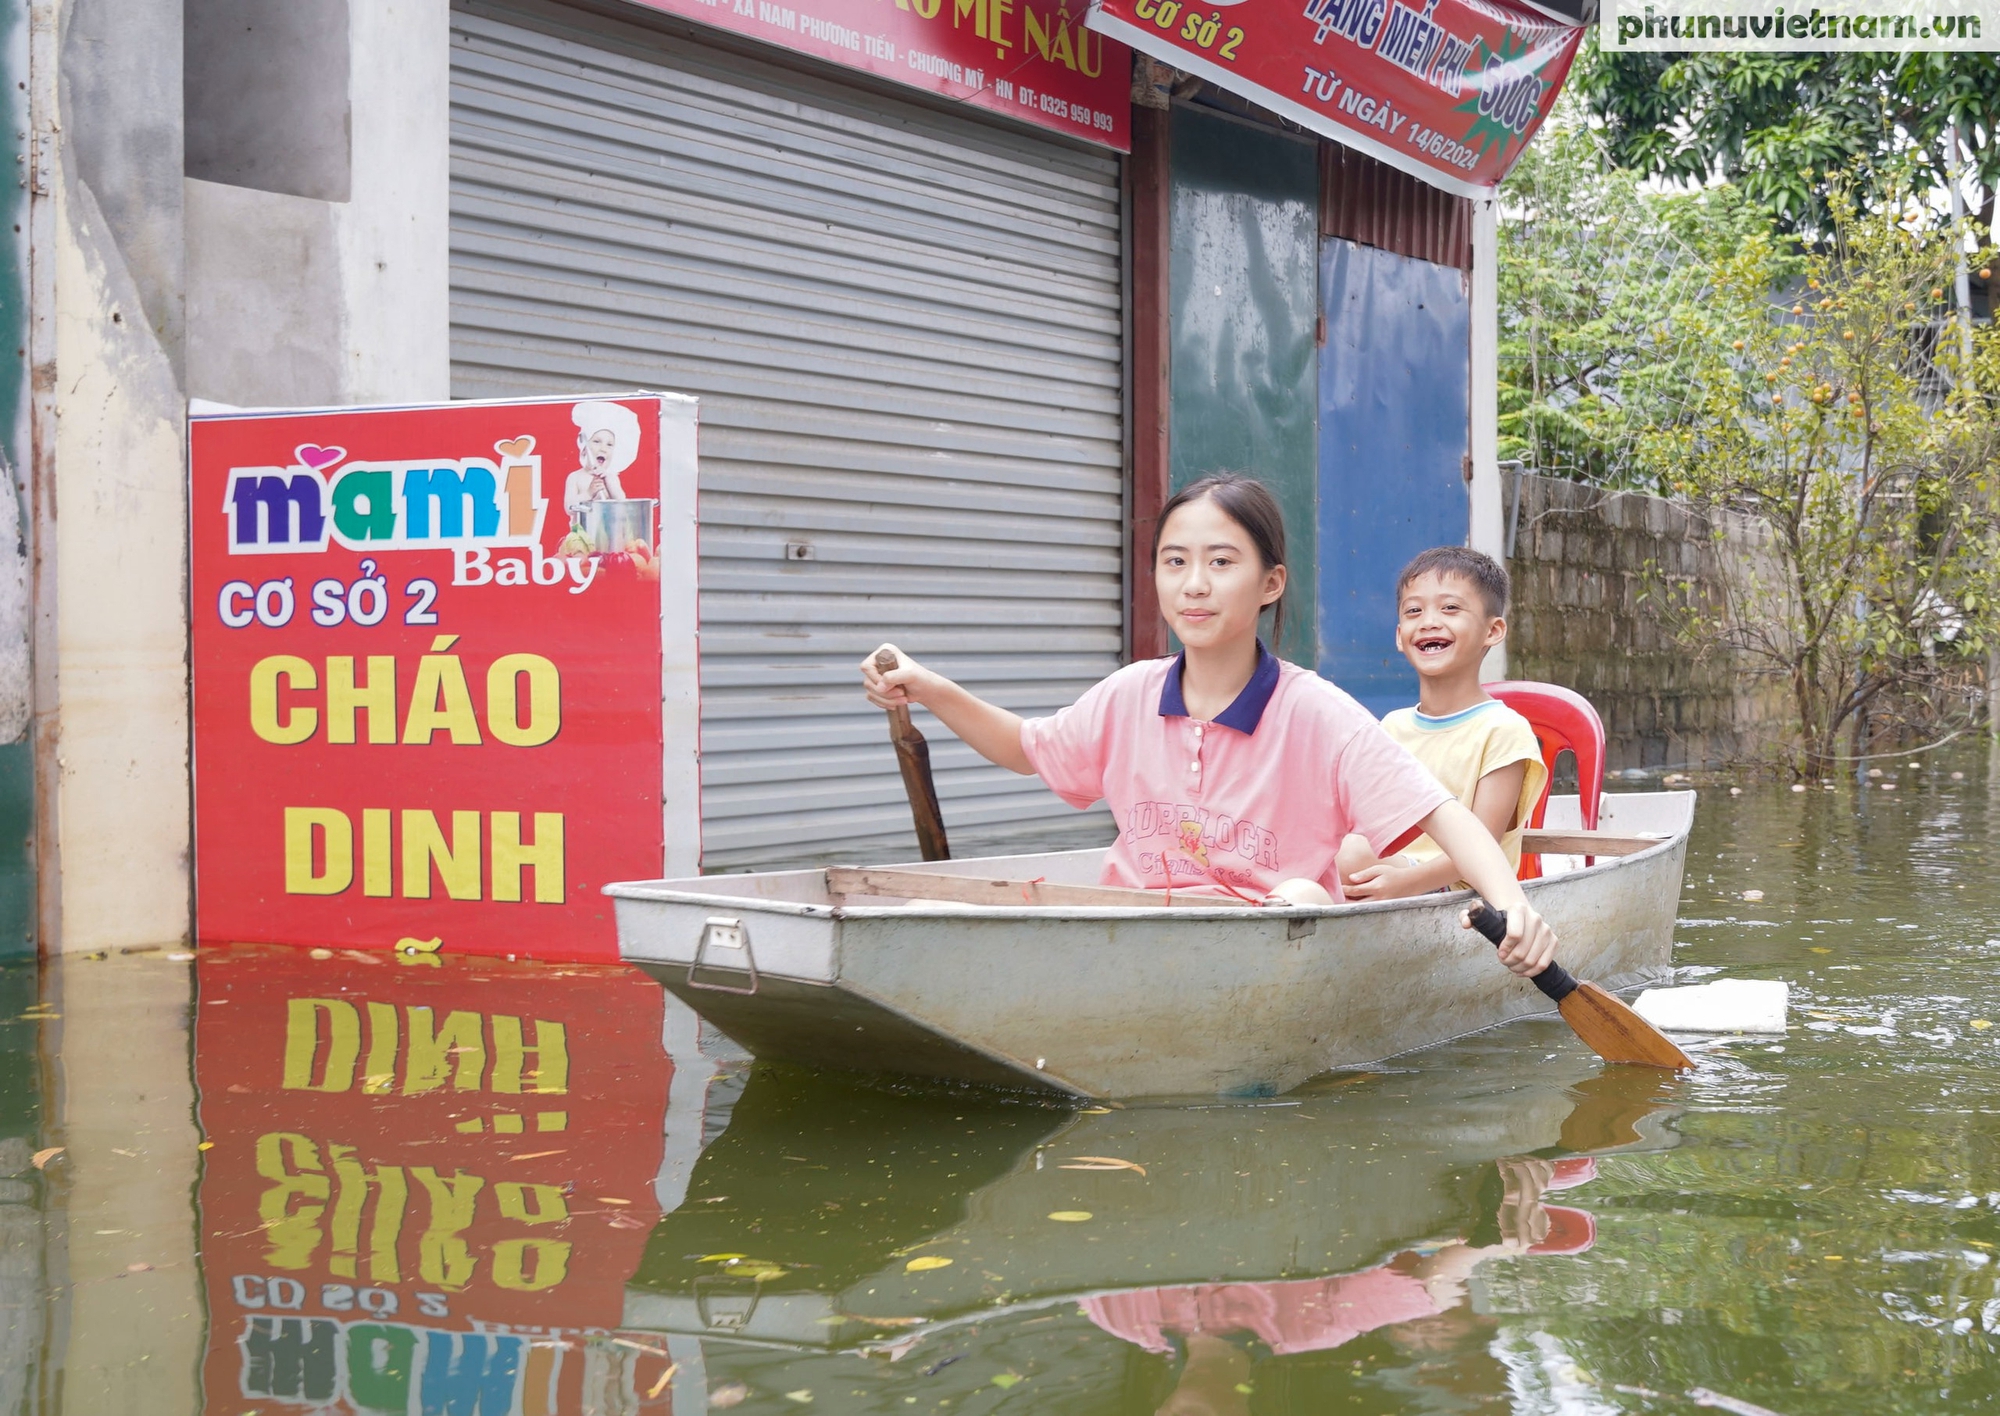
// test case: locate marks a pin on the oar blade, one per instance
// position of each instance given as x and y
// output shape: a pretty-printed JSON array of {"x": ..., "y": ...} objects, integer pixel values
[{"x": 1616, "y": 1033}]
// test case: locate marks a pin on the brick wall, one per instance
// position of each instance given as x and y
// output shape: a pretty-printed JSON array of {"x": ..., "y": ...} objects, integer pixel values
[{"x": 1597, "y": 579}]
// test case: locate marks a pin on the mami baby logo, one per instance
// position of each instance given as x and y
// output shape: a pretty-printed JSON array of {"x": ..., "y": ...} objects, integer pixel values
[
  {"x": 479, "y": 508},
  {"x": 429, "y": 504}
]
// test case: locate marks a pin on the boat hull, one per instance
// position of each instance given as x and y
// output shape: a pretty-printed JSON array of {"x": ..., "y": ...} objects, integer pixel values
[{"x": 1098, "y": 1002}]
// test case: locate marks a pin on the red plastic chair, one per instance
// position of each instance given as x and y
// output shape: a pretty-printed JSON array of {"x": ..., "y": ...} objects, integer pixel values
[{"x": 1561, "y": 718}]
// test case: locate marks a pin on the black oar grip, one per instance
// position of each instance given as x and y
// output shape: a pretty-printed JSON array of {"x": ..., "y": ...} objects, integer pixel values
[{"x": 1555, "y": 980}]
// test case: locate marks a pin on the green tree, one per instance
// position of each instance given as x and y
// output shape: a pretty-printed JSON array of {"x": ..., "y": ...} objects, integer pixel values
[
  {"x": 1778, "y": 125},
  {"x": 1845, "y": 420},
  {"x": 1600, "y": 280}
]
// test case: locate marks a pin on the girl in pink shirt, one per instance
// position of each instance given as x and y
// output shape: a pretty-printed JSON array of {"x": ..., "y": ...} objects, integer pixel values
[{"x": 1228, "y": 770}]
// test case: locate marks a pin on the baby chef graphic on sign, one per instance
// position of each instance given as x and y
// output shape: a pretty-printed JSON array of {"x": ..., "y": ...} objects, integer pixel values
[
  {"x": 427, "y": 703},
  {"x": 607, "y": 439}
]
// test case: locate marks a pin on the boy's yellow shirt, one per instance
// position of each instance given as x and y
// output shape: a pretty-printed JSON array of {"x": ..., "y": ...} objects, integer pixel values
[{"x": 1461, "y": 748}]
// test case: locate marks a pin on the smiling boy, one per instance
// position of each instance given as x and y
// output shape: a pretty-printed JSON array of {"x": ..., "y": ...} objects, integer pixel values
[{"x": 1451, "y": 607}]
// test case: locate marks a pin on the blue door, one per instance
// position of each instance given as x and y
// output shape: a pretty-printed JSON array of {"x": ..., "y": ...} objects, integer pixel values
[{"x": 1394, "y": 393}]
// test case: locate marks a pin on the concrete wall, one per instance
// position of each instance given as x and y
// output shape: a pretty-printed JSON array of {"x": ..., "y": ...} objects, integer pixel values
[
  {"x": 285, "y": 247},
  {"x": 295, "y": 300},
  {"x": 267, "y": 98},
  {"x": 1596, "y": 579}
]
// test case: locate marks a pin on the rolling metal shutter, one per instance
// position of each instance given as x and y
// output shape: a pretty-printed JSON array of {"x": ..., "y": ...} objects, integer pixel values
[{"x": 904, "y": 325}]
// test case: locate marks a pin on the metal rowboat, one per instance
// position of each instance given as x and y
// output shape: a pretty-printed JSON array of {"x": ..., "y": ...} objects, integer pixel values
[{"x": 1126, "y": 1001}]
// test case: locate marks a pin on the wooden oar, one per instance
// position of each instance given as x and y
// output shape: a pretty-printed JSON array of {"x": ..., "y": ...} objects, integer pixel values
[
  {"x": 913, "y": 756},
  {"x": 1609, "y": 1028}
]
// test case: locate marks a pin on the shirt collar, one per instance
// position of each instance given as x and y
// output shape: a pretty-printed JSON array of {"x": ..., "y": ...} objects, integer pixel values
[
  {"x": 1451, "y": 720},
  {"x": 1248, "y": 709}
]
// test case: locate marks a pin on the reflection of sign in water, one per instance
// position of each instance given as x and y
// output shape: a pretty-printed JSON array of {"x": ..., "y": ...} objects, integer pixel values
[
  {"x": 420, "y": 709},
  {"x": 427, "y": 1184},
  {"x": 369, "y": 1367}
]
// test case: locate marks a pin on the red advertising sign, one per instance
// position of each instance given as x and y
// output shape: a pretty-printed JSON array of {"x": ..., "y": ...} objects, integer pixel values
[
  {"x": 1028, "y": 59},
  {"x": 1446, "y": 90},
  {"x": 443, "y": 670},
  {"x": 426, "y": 1183}
]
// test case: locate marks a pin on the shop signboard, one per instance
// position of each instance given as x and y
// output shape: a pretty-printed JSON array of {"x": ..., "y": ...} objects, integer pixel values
[
  {"x": 1028, "y": 59},
  {"x": 444, "y": 670},
  {"x": 425, "y": 1182},
  {"x": 1447, "y": 90}
]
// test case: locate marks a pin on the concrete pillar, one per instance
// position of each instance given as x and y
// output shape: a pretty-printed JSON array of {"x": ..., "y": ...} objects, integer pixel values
[
  {"x": 111, "y": 508},
  {"x": 395, "y": 232}
]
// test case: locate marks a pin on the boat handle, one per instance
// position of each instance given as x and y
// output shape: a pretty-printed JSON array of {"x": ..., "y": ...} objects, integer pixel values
[
  {"x": 720, "y": 933},
  {"x": 1555, "y": 980},
  {"x": 723, "y": 1319}
]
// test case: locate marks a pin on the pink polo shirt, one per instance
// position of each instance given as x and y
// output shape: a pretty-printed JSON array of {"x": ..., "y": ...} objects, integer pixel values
[{"x": 1265, "y": 793}]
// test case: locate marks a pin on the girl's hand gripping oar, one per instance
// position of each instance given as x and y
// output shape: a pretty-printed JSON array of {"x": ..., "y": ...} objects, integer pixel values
[
  {"x": 913, "y": 756},
  {"x": 1609, "y": 1028}
]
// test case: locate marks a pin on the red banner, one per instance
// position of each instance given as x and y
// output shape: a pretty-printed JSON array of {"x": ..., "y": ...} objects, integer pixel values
[
  {"x": 1028, "y": 59},
  {"x": 426, "y": 1183},
  {"x": 1450, "y": 90},
  {"x": 429, "y": 671}
]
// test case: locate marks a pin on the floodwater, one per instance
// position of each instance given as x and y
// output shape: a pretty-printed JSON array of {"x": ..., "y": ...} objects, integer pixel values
[{"x": 474, "y": 1189}]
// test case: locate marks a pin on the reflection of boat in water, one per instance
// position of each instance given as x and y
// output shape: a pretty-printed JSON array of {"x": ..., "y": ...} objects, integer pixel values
[
  {"x": 833, "y": 1217},
  {"x": 830, "y": 969}
]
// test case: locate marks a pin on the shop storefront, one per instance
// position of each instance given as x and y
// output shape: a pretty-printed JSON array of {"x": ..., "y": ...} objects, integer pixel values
[{"x": 924, "y": 264}]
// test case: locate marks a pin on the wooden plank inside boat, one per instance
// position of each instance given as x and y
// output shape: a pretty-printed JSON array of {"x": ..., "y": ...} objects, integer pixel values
[
  {"x": 846, "y": 881},
  {"x": 1590, "y": 843}
]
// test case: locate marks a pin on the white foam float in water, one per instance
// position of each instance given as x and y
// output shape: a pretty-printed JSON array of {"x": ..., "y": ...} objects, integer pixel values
[{"x": 1729, "y": 1005}]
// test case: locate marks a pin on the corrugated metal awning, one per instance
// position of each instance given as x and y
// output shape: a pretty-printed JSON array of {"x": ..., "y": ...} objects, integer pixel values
[{"x": 1373, "y": 204}]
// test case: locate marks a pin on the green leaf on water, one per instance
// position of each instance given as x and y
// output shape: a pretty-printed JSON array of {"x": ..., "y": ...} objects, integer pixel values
[{"x": 1005, "y": 1380}]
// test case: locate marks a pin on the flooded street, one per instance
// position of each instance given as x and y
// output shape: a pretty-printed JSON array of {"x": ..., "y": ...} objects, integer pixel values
[{"x": 355, "y": 1184}]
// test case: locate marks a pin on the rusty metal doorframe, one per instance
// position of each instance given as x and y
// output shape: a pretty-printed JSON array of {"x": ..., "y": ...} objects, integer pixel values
[{"x": 44, "y": 17}]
